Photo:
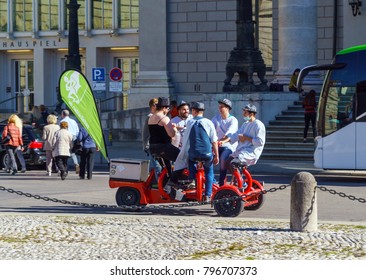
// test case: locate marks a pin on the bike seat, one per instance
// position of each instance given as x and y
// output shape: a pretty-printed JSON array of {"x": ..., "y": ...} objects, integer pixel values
[
  {"x": 237, "y": 163},
  {"x": 199, "y": 159},
  {"x": 156, "y": 156}
]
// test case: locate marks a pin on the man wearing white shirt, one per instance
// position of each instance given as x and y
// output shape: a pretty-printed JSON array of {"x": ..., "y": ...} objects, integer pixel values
[
  {"x": 73, "y": 128},
  {"x": 180, "y": 122}
]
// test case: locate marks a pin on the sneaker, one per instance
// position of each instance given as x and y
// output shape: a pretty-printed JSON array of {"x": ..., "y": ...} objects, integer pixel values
[
  {"x": 77, "y": 168},
  {"x": 23, "y": 171},
  {"x": 191, "y": 185},
  {"x": 14, "y": 172},
  {"x": 207, "y": 199},
  {"x": 48, "y": 174},
  {"x": 63, "y": 175}
]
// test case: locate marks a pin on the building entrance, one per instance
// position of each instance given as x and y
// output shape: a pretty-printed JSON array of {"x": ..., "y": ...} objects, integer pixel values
[{"x": 24, "y": 84}]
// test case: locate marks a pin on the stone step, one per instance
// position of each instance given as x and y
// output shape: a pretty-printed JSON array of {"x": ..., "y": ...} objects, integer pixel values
[
  {"x": 271, "y": 149},
  {"x": 288, "y": 156},
  {"x": 289, "y": 139},
  {"x": 293, "y": 113},
  {"x": 287, "y": 135},
  {"x": 290, "y": 144},
  {"x": 287, "y": 127},
  {"x": 285, "y": 123},
  {"x": 289, "y": 117}
]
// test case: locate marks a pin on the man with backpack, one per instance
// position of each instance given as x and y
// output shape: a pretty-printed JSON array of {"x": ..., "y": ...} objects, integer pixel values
[{"x": 199, "y": 143}]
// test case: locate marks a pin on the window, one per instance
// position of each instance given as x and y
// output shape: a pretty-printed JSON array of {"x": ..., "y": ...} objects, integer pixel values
[
  {"x": 3, "y": 15},
  {"x": 81, "y": 15},
  {"x": 48, "y": 14},
  {"x": 22, "y": 10},
  {"x": 128, "y": 15},
  {"x": 129, "y": 67},
  {"x": 263, "y": 29},
  {"x": 102, "y": 14}
]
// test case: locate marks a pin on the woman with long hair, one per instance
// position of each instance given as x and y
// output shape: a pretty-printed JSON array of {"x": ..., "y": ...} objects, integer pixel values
[
  {"x": 19, "y": 150},
  {"x": 15, "y": 140}
]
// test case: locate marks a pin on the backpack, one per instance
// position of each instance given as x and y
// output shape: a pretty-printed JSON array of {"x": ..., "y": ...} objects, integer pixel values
[{"x": 200, "y": 143}]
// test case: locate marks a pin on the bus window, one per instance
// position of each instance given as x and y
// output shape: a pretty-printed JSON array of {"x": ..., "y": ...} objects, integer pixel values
[
  {"x": 338, "y": 108},
  {"x": 361, "y": 102},
  {"x": 331, "y": 111}
]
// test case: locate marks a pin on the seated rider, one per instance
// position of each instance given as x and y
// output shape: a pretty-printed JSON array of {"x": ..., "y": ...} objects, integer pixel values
[
  {"x": 161, "y": 132},
  {"x": 199, "y": 142},
  {"x": 251, "y": 137}
]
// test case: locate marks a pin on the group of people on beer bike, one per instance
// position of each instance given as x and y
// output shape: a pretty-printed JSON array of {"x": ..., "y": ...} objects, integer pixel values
[{"x": 190, "y": 137}]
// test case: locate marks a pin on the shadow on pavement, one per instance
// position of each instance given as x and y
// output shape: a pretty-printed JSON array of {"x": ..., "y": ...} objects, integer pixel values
[{"x": 111, "y": 211}]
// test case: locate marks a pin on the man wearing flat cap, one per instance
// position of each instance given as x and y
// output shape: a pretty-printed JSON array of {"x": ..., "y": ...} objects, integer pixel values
[
  {"x": 225, "y": 124},
  {"x": 199, "y": 141},
  {"x": 250, "y": 137},
  {"x": 180, "y": 123}
]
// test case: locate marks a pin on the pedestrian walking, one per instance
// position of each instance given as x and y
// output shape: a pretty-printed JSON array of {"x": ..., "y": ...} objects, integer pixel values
[
  {"x": 48, "y": 133},
  {"x": 62, "y": 144},
  {"x": 12, "y": 139},
  {"x": 73, "y": 128},
  {"x": 87, "y": 154},
  {"x": 309, "y": 104}
]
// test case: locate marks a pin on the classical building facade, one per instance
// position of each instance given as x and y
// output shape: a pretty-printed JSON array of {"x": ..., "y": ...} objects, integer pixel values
[{"x": 176, "y": 48}]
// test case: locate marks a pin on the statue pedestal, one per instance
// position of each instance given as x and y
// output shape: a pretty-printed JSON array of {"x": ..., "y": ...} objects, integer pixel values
[{"x": 245, "y": 62}]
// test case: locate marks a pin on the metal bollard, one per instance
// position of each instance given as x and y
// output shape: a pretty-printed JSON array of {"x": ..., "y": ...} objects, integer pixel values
[{"x": 304, "y": 210}]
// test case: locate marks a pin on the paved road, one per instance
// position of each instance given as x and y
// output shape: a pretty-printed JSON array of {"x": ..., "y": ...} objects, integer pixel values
[
  {"x": 39, "y": 229},
  {"x": 277, "y": 204}
]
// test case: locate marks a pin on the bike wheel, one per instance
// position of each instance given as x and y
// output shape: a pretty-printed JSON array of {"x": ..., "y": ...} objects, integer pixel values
[
  {"x": 230, "y": 208},
  {"x": 128, "y": 197},
  {"x": 258, "y": 205}
]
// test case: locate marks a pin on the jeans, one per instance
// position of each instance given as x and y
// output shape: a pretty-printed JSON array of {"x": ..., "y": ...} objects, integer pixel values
[
  {"x": 310, "y": 117},
  {"x": 224, "y": 154},
  {"x": 87, "y": 162},
  {"x": 11, "y": 150},
  {"x": 209, "y": 174},
  {"x": 154, "y": 164},
  {"x": 19, "y": 154}
]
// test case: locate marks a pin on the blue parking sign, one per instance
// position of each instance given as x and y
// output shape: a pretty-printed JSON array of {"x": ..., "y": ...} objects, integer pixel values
[{"x": 98, "y": 74}]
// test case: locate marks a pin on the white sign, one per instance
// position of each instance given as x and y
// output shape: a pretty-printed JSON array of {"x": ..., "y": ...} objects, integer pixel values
[
  {"x": 115, "y": 86},
  {"x": 98, "y": 86}
]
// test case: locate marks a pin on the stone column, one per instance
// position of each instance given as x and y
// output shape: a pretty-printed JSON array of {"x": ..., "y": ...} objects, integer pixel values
[
  {"x": 304, "y": 210},
  {"x": 153, "y": 79},
  {"x": 297, "y": 36}
]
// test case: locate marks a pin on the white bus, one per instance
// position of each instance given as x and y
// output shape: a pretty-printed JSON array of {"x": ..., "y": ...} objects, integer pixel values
[{"x": 341, "y": 119}]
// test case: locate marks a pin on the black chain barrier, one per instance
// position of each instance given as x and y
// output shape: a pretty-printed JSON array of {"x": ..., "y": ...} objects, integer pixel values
[
  {"x": 166, "y": 206},
  {"x": 341, "y": 194}
]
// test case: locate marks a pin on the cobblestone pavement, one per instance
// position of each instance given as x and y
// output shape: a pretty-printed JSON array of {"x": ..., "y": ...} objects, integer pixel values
[{"x": 77, "y": 237}]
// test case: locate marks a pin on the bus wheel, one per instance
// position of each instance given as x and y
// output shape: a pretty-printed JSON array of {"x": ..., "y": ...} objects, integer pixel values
[
  {"x": 260, "y": 198},
  {"x": 229, "y": 208},
  {"x": 128, "y": 197}
]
